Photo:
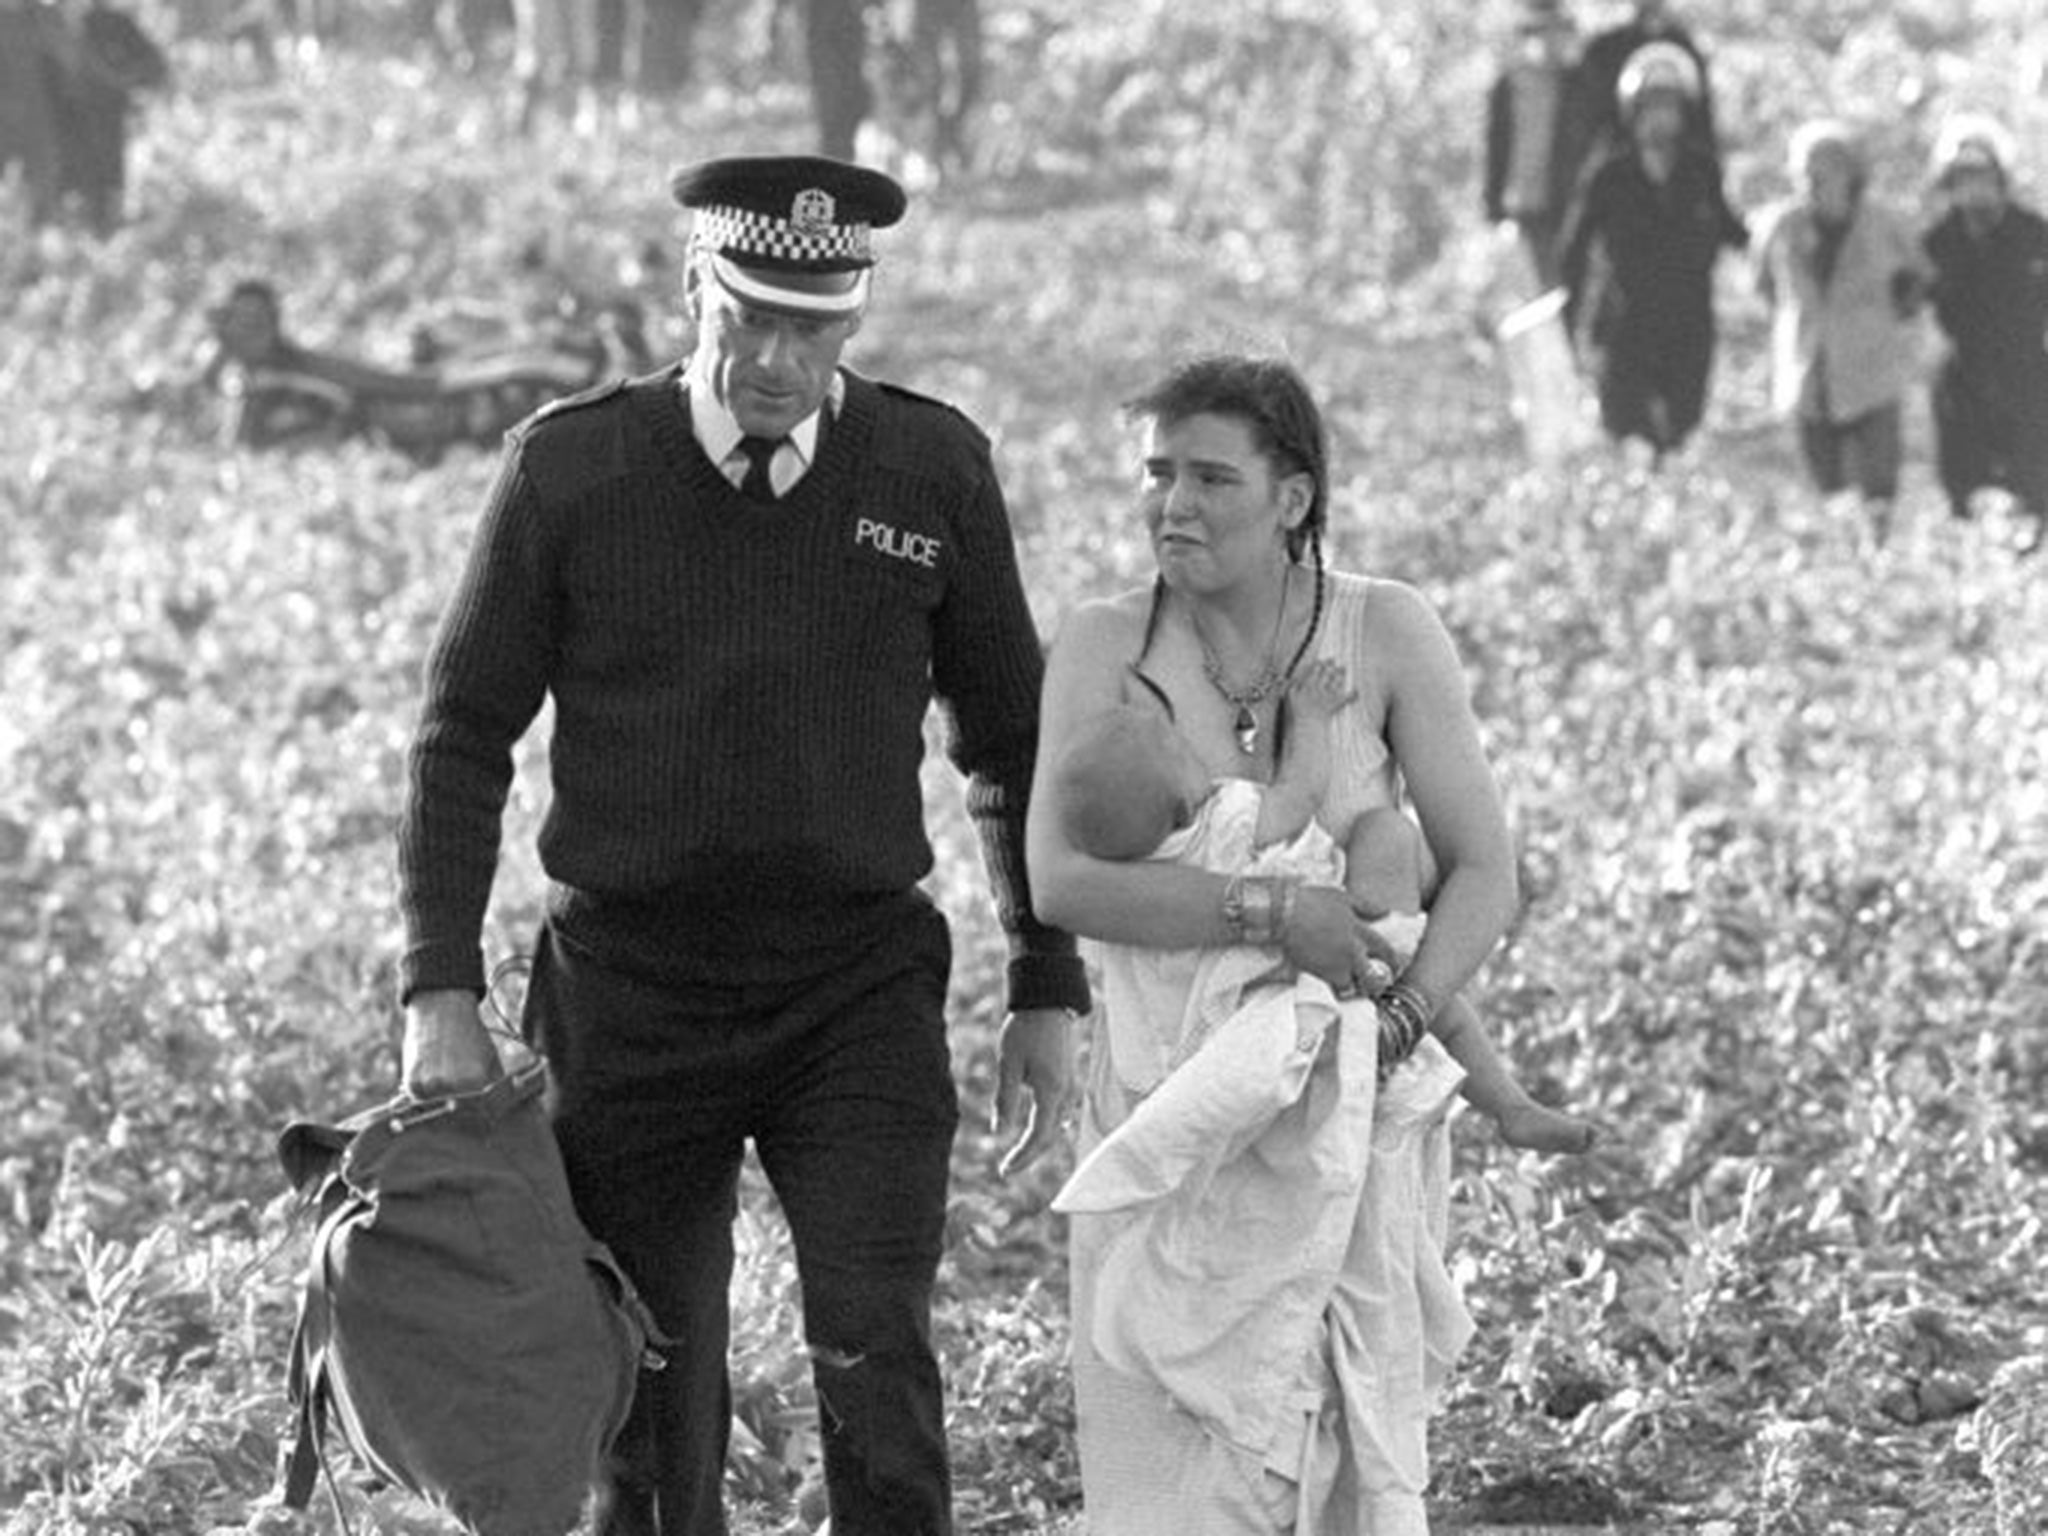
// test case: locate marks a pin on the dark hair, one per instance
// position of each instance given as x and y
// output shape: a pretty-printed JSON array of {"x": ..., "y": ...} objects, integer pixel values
[
  {"x": 255, "y": 288},
  {"x": 1270, "y": 396}
]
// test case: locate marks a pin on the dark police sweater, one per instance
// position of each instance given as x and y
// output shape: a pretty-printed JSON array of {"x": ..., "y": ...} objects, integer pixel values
[{"x": 740, "y": 692}]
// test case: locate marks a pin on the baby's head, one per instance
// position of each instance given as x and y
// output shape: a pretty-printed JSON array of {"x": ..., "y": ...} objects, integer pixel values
[{"x": 1127, "y": 780}]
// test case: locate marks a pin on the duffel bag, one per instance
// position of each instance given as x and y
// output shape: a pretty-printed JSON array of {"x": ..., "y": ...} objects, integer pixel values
[{"x": 471, "y": 1340}]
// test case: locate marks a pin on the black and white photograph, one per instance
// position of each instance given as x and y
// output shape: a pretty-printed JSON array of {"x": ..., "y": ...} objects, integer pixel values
[{"x": 1023, "y": 768}]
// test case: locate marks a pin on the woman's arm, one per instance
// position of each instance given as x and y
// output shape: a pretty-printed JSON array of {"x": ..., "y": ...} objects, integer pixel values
[
  {"x": 1763, "y": 255},
  {"x": 1575, "y": 238},
  {"x": 1435, "y": 742},
  {"x": 1162, "y": 905},
  {"x": 1154, "y": 904}
]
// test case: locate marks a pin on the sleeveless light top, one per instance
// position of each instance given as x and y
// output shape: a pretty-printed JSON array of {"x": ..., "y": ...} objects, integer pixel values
[
  {"x": 1362, "y": 773},
  {"x": 1146, "y": 992}
]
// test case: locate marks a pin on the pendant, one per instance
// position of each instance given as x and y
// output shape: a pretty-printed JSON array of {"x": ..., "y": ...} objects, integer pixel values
[{"x": 1247, "y": 727}]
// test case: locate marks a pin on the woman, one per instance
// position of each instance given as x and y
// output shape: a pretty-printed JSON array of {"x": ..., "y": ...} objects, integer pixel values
[
  {"x": 1257, "y": 1355},
  {"x": 1988, "y": 258},
  {"x": 1638, "y": 254},
  {"x": 1842, "y": 274}
]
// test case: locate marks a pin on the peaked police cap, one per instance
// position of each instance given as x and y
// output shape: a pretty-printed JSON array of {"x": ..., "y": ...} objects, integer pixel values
[{"x": 789, "y": 230}]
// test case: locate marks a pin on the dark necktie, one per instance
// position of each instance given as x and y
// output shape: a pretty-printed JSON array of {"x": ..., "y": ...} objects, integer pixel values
[{"x": 760, "y": 451}]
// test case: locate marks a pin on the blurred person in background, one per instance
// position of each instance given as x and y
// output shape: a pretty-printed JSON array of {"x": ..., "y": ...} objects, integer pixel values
[
  {"x": 278, "y": 393},
  {"x": 1606, "y": 57},
  {"x": 742, "y": 581},
  {"x": 1639, "y": 247},
  {"x": 32, "y": 49},
  {"x": 69, "y": 78},
  {"x": 1844, "y": 276},
  {"x": 1989, "y": 256},
  {"x": 112, "y": 63},
  {"x": 1539, "y": 123}
]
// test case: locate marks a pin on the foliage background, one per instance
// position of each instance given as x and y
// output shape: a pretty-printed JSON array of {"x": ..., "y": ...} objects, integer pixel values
[{"x": 1779, "y": 796}]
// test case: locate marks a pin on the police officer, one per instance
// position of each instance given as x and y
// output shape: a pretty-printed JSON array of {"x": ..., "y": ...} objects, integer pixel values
[
  {"x": 741, "y": 581},
  {"x": 1990, "y": 291}
]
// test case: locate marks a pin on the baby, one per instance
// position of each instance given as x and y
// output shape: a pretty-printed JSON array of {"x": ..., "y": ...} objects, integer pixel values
[{"x": 1132, "y": 782}]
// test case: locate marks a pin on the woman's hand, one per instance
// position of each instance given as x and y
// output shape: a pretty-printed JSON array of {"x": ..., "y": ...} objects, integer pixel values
[{"x": 1328, "y": 937}]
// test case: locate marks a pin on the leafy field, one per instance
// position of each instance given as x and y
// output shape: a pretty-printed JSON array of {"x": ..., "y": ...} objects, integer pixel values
[{"x": 1780, "y": 797}]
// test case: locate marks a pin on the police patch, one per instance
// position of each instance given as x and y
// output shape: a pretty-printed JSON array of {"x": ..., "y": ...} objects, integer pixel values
[{"x": 907, "y": 545}]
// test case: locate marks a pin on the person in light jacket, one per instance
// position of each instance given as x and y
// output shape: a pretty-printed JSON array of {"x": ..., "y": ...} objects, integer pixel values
[{"x": 1844, "y": 277}]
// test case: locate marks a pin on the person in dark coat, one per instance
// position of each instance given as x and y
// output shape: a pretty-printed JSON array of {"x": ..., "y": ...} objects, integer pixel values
[
  {"x": 1639, "y": 252},
  {"x": 742, "y": 581},
  {"x": 836, "y": 56},
  {"x": 110, "y": 61},
  {"x": 1539, "y": 122},
  {"x": 1989, "y": 255},
  {"x": 32, "y": 51}
]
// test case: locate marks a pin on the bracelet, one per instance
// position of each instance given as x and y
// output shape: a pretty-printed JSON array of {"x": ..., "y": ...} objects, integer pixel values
[
  {"x": 1258, "y": 912},
  {"x": 1284, "y": 892},
  {"x": 1412, "y": 996},
  {"x": 1395, "y": 1046},
  {"x": 1257, "y": 908},
  {"x": 1405, "y": 1013},
  {"x": 1233, "y": 907}
]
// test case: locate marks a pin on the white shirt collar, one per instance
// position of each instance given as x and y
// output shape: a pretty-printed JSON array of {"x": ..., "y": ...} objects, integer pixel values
[{"x": 719, "y": 434}]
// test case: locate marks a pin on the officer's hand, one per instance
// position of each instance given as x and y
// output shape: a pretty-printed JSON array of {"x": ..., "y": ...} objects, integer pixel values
[
  {"x": 1034, "y": 1082},
  {"x": 446, "y": 1047}
]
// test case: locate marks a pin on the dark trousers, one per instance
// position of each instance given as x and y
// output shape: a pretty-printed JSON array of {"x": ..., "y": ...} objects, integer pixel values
[
  {"x": 836, "y": 46},
  {"x": 845, "y": 1086},
  {"x": 1654, "y": 386},
  {"x": 1982, "y": 442},
  {"x": 1863, "y": 452}
]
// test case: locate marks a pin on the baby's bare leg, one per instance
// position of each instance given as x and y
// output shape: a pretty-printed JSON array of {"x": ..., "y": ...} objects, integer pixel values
[{"x": 1492, "y": 1090}]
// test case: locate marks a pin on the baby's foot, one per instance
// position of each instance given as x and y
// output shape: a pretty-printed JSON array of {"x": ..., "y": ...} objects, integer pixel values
[
  {"x": 1537, "y": 1128},
  {"x": 1320, "y": 689}
]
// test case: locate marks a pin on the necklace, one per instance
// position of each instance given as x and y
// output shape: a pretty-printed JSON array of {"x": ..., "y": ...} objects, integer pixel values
[{"x": 1244, "y": 723}]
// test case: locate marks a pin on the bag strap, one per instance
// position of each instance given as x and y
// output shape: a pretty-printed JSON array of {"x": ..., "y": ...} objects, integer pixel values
[
  {"x": 304, "y": 1460},
  {"x": 306, "y": 1380},
  {"x": 492, "y": 1101}
]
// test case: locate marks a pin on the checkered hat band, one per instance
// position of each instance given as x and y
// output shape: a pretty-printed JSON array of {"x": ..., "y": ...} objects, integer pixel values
[{"x": 741, "y": 231}]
